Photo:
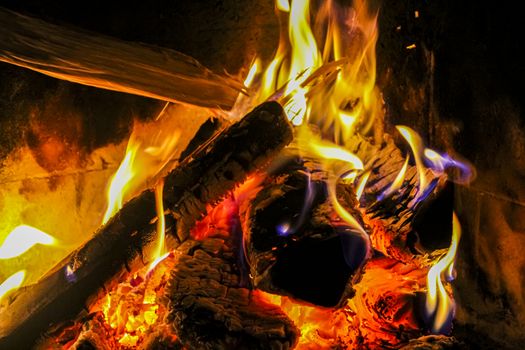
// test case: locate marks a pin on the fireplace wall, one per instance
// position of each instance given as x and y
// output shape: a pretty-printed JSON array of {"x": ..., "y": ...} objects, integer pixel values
[{"x": 459, "y": 87}]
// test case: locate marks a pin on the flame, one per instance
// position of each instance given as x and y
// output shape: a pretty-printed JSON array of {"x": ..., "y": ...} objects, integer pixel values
[
  {"x": 438, "y": 304},
  {"x": 161, "y": 223},
  {"x": 21, "y": 239},
  {"x": 361, "y": 184},
  {"x": 254, "y": 69},
  {"x": 318, "y": 326},
  {"x": 398, "y": 181},
  {"x": 148, "y": 152},
  {"x": 323, "y": 71},
  {"x": 440, "y": 163},
  {"x": 12, "y": 282},
  {"x": 416, "y": 144},
  {"x": 120, "y": 182}
]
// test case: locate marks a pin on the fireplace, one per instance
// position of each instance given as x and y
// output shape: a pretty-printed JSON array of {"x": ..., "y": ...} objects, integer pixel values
[{"x": 274, "y": 221}]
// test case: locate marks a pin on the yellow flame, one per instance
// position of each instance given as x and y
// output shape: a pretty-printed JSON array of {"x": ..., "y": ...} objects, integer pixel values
[
  {"x": 21, "y": 239},
  {"x": 283, "y": 5},
  {"x": 254, "y": 69},
  {"x": 361, "y": 184},
  {"x": 438, "y": 302},
  {"x": 12, "y": 282},
  {"x": 416, "y": 144},
  {"x": 345, "y": 94},
  {"x": 148, "y": 152},
  {"x": 161, "y": 223},
  {"x": 120, "y": 182},
  {"x": 398, "y": 181}
]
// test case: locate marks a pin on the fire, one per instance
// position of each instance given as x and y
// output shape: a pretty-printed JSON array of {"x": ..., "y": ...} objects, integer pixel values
[
  {"x": 324, "y": 73},
  {"x": 21, "y": 239},
  {"x": 148, "y": 152},
  {"x": 439, "y": 305},
  {"x": 18, "y": 242},
  {"x": 318, "y": 326},
  {"x": 12, "y": 282},
  {"x": 398, "y": 181},
  {"x": 416, "y": 144}
]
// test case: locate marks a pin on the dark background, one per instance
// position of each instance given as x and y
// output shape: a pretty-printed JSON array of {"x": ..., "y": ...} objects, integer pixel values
[{"x": 461, "y": 88}]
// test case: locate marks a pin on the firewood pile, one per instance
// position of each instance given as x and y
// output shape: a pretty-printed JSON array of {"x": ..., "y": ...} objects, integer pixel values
[{"x": 259, "y": 257}]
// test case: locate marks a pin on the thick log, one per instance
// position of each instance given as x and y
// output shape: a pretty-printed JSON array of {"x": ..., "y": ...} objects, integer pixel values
[
  {"x": 209, "y": 307},
  {"x": 295, "y": 243},
  {"x": 108, "y": 63},
  {"x": 202, "y": 178}
]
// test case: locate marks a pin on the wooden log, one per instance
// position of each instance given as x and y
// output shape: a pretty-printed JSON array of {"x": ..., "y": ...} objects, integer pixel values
[
  {"x": 202, "y": 178},
  {"x": 390, "y": 219},
  {"x": 209, "y": 307},
  {"x": 108, "y": 63},
  {"x": 295, "y": 243},
  {"x": 434, "y": 342}
]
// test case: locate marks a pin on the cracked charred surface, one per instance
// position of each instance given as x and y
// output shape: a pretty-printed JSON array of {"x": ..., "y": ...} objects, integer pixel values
[{"x": 211, "y": 309}]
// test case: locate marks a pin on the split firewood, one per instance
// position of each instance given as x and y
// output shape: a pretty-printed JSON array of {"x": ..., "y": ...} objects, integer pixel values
[
  {"x": 211, "y": 309},
  {"x": 112, "y": 64},
  {"x": 203, "y": 178},
  {"x": 295, "y": 243},
  {"x": 390, "y": 219}
]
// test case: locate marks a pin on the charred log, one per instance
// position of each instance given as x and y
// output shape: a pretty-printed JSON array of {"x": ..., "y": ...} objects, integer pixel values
[
  {"x": 202, "y": 178},
  {"x": 210, "y": 309},
  {"x": 295, "y": 244},
  {"x": 390, "y": 217},
  {"x": 434, "y": 342},
  {"x": 111, "y": 64}
]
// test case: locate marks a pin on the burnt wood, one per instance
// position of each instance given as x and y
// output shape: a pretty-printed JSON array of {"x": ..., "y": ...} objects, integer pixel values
[
  {"x": 210, "y": 308},
  {"x": 109, "y": 63},
  {"x": 294, "y": 241},
  {"x": 202, "y": 178},
  {"x": 434, "y": 342},
  {"x": 390, "y": 219}
]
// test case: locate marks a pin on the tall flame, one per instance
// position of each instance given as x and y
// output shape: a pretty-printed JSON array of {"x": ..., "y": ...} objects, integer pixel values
[
  {"x": 147, "y": 153},
  {"x": 438, "y": 304},
  {"x": 21, "y": 239}
]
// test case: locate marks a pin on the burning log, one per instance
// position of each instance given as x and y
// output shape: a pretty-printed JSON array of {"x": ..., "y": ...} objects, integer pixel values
[
  {"x": 201, "y": 179},
  {"x": 295, "y": 243},
  {"x": 112, "y": 64},
  {"x": 433, "y": 342},
  {"x": 390, "y": 217},
  {"x": 209, "y": 307}
]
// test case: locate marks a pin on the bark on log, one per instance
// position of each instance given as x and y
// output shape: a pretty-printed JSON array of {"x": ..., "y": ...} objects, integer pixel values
[
  {"x": 108, "y": 63},
  {"x": 295, "y": 243},
  {"x": 210, "y": 309},
  {"x": 202, "y": 178}
]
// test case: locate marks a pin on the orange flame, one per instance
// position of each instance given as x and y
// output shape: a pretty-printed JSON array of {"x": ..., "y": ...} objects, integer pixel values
[{"x": 438, "y": 302}]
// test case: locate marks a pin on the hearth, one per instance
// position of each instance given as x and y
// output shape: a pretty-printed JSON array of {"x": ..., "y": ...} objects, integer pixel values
[{"x": 300, "y": 186}]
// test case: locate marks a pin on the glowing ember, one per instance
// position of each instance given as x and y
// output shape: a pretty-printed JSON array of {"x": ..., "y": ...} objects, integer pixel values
[
  {"x": 439, "y": 305},
  {"x": 12, "y": 282},
  {"x": 21, "y": 239}
]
